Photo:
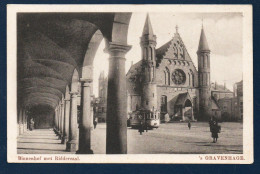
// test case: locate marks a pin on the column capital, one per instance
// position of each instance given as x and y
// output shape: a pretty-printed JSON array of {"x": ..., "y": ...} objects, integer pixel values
[
  {"x": 66, "y": 99},
  {"x": 116, "y": 49},
  {"x": 86, "y": 82},
  {"x": 74, "y": 94}
]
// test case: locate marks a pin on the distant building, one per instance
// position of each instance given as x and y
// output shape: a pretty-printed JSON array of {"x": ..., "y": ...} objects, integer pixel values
[
  {"x": 166, "y": 80},
  {"x": 238, "y": 95},
  {"x": 101, "y": 102}
]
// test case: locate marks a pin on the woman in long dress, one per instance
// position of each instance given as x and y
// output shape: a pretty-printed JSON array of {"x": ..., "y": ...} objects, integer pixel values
[{"x": 214, "y": 131}]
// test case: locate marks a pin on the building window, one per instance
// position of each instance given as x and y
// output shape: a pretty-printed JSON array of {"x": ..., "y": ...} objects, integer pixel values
[
  {"x": 147, "y": 53},
  {"x": 189, "y": 78},
  {"x": 151, "y": 53},
  {"x": 163, "y": 103},
  {"x": 192, "y": 78},
  {"x": 168, "y": 76}
]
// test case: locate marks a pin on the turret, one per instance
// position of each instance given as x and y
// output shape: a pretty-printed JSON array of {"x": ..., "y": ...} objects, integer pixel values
[
  {"x": 204, "y": 77},
  {"x": 148, "y": 44}
]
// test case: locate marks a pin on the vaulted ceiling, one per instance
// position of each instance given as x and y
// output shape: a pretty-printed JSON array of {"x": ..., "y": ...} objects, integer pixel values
[{"x": 49, "y": 47}]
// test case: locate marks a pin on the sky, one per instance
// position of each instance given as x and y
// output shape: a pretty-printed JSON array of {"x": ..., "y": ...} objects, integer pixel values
[{"x": 223, "y": 32}]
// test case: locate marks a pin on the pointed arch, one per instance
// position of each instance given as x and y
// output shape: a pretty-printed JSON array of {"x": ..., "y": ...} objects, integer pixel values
[
  {"x": 151, "y": 51},
  {"x": 74, "y": 81},
  {"x": 167, "y": 76},
  {"x": 189, "y": 79},
  {"x": 192, "y": 78}
]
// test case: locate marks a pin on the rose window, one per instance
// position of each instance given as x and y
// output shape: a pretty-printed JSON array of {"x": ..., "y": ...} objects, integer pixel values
[{"x": 178, "y": 77}]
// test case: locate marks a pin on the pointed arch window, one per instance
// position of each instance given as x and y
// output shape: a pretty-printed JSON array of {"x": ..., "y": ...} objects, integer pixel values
[
  {"x": 151, "y": 50},
  {"x": 144, "y": 53},
  {"x": 168, "y": 76},
  {"x": 206, "y": 61},
  {"x": 164, "y": 104},
  {"x": 202, "y": 60},
  {"x": 189, "y": 79},
  {"x": 147, "y": 53},
  {"x": 192, "y": 78},
  {"x": 165, "y": 77}
]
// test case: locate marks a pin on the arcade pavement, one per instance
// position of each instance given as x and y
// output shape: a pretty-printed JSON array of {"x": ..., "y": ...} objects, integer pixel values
[{"x": 172, "y": 138}]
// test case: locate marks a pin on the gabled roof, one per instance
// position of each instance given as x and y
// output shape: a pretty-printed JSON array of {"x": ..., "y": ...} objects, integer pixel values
[
  {"x": 160, "y": 52},
  {"x": 214, "y": 105},
  {"x": 182, "y": 99},
  {"x": 168, "y": 49},
  {"x": 133, "y": 68},
  {"x": 132, "y": 77}
]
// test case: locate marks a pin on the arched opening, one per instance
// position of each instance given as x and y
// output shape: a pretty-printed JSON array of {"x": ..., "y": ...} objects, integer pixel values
[{"x": 187, "y": 110}]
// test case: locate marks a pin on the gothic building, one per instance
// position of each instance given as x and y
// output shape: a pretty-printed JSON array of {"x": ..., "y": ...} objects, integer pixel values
[
  {"x": 102, "y": 98},
  {"x": 166, "y": 80}
]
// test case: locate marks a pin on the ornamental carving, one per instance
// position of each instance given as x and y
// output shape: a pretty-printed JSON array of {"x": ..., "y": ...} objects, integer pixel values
[{"x": 178, "y": 77}]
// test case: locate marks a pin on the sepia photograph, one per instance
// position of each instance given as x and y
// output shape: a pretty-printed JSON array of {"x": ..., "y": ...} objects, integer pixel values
[{"x": 130, "y": 84}]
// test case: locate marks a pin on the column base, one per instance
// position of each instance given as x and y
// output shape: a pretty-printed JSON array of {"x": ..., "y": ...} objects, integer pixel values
[
  {"x": 85, "y": 151},
  {"x": 71, "y": 146},
  {"x": 20, "y": 129},
  {"x": 64, "y": 140}
]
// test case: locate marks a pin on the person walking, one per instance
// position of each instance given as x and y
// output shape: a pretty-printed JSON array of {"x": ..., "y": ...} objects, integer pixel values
[
  {"x": 95, "y": 122},
  {"x": 189, "y": 124},
  {"x": 215, "y": 129},
  {"x": 141, "y": 128},
  {"x": 31, "y": 125}
]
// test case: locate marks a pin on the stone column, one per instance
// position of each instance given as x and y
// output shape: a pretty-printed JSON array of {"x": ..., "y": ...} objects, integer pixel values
[
  {"x": 24, "y": 121},
  {"x": 20, "y": 121},
  {"x": 66, "y": 121},
  {"x": 85, "y": 124},
  {"x": 92, "y": 111},
  {"x": 62, "y": 119},
  {"x": 56, "y": 120},
  {"x": 116, "y": 139},
  {"x": 72, "y": 143}
]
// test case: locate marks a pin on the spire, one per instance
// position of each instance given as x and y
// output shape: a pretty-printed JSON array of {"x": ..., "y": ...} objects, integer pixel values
[
  {"x": 148, "y": 26},
  {"x": 203, "y": 44},
  {"x": 176, "y": 28}
]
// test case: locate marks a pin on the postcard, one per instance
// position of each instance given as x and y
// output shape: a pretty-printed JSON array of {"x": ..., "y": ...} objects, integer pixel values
[{"x": 130, "y": 84}]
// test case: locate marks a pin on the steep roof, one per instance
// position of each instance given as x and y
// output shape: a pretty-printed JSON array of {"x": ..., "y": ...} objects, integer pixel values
[
  {"x": 203, "y": 44},
  {"x": 148, "y": 29},
  {"x": 182, "y": 99},
  {"x": 160, "y": 52},
  {"x": 173, "y": 49},
  {"x": 214, "y": 105},
  {"x": 133, "y": 78}
]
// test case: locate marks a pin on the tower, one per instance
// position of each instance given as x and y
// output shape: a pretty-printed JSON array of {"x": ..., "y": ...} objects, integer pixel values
[
  {"x": 148, "y": 44},
  {"x": 204, "y": 77}
]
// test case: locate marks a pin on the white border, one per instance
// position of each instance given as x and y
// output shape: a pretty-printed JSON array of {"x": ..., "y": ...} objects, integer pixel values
[{"x": 129, "y": 158}]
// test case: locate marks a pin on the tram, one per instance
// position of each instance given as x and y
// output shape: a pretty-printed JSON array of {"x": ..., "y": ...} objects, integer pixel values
[{"x": 152, "y": 119}]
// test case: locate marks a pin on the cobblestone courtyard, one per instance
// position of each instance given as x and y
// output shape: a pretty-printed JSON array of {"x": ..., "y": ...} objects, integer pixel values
[
  {"x": 176, "y": 138},
  {"x": 172, "y": 138}
]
